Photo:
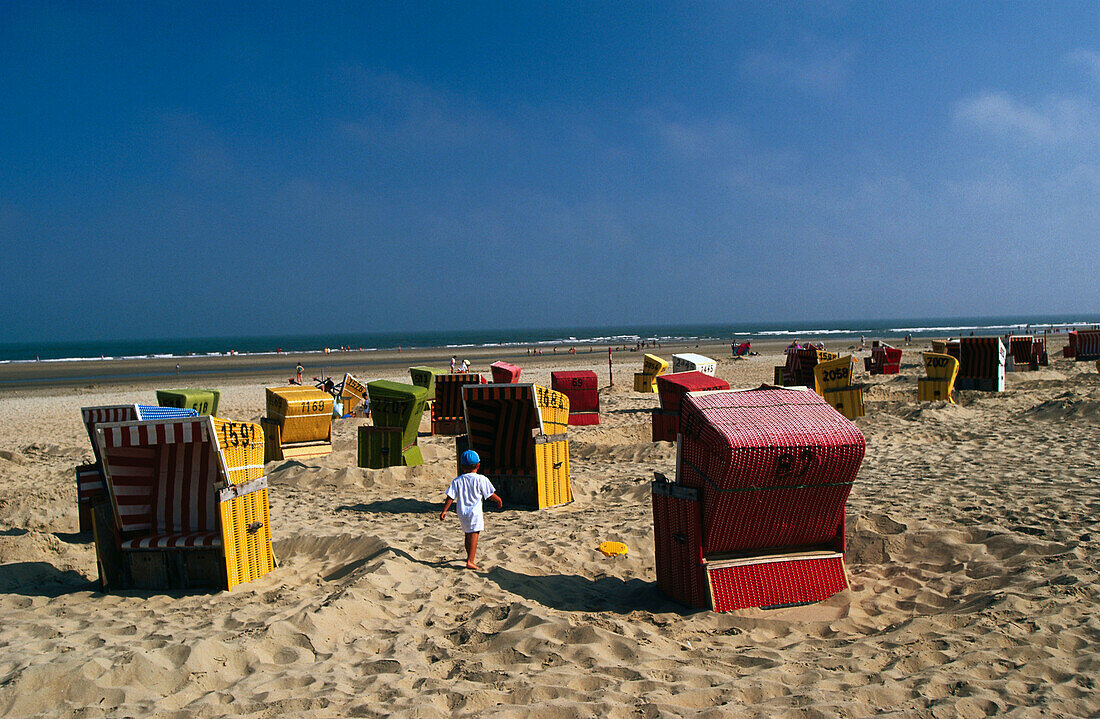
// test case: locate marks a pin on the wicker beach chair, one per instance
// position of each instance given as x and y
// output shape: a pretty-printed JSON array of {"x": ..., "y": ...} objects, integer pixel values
[
  {"x": 425, "y": 377},
  {"x": 504, "y": 372},
  {"x": 203, "y": 401},
  {"x": 396, "y": 410},
  {"x": 756, "y": 515},
  {"x": 691, "y": 362},
  {"x": 1022, "y": 350},
  {"x": 671, "y": 389},
  {"x": 353, "y": 394},
  {"x": 833, "y": 382},
  {"x": 884, "y": 359},
  {"x": 448, "y": 415},
  {"x": 298, "y": 424},
  {"x": 187, "y": 507},
  {"x": 1086, "y": 345},
  {"x": 582, "y": 389},
  {"x": 981, "y": 364},
  {"x": 939, "y": 385},
  {"x": 519, "y": 431},
  {"x": 89, "y": 477},
  {"x": 646, "y": 380}
]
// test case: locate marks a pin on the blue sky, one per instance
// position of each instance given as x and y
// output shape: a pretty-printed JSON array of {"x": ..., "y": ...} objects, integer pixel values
[{"x": 221, "y": 169}]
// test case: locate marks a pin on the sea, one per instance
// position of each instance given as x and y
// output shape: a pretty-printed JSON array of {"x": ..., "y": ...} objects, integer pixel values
[{"x": 618, "y": 335}]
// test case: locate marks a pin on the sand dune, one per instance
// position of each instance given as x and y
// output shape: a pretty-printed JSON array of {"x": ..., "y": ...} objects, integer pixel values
[{"x": 972, "y": 533}]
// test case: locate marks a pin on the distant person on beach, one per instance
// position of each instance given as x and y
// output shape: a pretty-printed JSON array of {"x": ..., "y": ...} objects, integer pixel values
[
  {"x": 468, "y": 491},
  {"x": 299, "y": 369},
  {"x": 465, "y": 366},
  {"x": 454, "y": 361}
]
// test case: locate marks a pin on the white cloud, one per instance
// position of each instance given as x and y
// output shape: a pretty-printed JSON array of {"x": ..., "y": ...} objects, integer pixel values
[
  {"x": 820, "y": 75},
  {"x": 1089, "y": 59},
  {"x": 1055, "y": 120},
  {"x": 694, "y": 139},
  {"x": 401, "y": 112}
]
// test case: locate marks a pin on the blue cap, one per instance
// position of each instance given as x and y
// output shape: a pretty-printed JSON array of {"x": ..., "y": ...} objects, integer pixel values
[{"x": 470, "y": 458}]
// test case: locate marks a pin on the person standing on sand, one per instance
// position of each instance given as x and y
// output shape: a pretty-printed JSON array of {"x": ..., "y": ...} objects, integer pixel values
[
  {"x": 299, "y": 369},
  {"x": 454, "y": 360},
  {"x": 468, "y": 491}
]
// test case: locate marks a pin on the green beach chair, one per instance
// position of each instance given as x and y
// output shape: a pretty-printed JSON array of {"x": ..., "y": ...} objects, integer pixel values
[
  {"x": 425, "y": 377},
  {"x": 203, "y": 401},
  {"x": 396, "y": 409}
]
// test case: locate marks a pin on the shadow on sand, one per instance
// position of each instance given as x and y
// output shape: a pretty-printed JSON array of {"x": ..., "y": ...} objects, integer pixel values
[
  {"x": 574, "y": 593},
  {"x": 399, "y": 505},
  {"x": 42, "y": 579}
]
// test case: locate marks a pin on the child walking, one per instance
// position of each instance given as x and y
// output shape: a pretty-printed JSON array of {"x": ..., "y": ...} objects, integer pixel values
[{"x": 468, "y": 490}]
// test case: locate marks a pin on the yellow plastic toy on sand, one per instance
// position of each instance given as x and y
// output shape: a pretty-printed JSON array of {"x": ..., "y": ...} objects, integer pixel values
[{"x": 613, "y": 549}]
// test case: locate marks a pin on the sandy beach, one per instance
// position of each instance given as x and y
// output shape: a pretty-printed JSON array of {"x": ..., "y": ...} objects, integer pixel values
[{"x": 971, "y": 532}]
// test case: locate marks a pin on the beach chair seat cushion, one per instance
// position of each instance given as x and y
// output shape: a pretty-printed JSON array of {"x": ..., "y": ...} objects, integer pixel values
[{"x": 178, "y": 540}]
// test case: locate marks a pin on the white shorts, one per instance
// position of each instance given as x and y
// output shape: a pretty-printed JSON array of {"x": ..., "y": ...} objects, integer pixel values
[{"x": 472, "y": 522}]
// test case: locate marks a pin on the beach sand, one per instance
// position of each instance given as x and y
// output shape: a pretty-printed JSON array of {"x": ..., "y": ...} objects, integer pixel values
[{"x": 971, "y": 538}]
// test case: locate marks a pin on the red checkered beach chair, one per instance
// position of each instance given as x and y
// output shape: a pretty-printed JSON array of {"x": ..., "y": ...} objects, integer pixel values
[
  {"x": 670, "y": 390},
  {"x": 187, "y": 504},
  {"x": 756, "y": 515}
]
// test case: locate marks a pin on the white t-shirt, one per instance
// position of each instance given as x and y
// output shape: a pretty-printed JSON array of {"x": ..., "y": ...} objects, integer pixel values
[{"x": 468, "y": 491}]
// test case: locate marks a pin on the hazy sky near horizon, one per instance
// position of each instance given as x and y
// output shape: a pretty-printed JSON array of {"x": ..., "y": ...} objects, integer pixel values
[{"x": 224, "y": 168}]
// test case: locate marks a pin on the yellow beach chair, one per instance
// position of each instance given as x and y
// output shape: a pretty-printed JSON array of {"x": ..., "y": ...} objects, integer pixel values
[
  {"x": 646, "y": 380},
  {"x": 939, "y": 385},
  {"x": 298, "y": 423},
  {"x": 519, "y": 430},
  {"x": 833, "y": 381}
]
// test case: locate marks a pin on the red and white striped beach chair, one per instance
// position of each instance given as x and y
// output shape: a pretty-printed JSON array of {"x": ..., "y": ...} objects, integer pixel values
[
  {"x": 1022, "y": 348},
  {"x": 1087, "y": 345},
  {"x": 187, "y": 507},
  {"x": 89, "y": 477}
]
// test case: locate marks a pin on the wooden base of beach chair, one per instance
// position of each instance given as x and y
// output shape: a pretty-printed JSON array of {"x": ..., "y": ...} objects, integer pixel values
[
  {"x": 244, "y": 553},
  {"x": 275, "y": 451},
  {"x": 980, "y": 384},
  {"x": 774, "y": 581},
  {"x": 848, "y": 401},
  {"x": 448, "y": 425}
]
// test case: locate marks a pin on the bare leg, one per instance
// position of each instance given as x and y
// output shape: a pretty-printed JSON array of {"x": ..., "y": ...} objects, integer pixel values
[{"x": 471, "y": 549}]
